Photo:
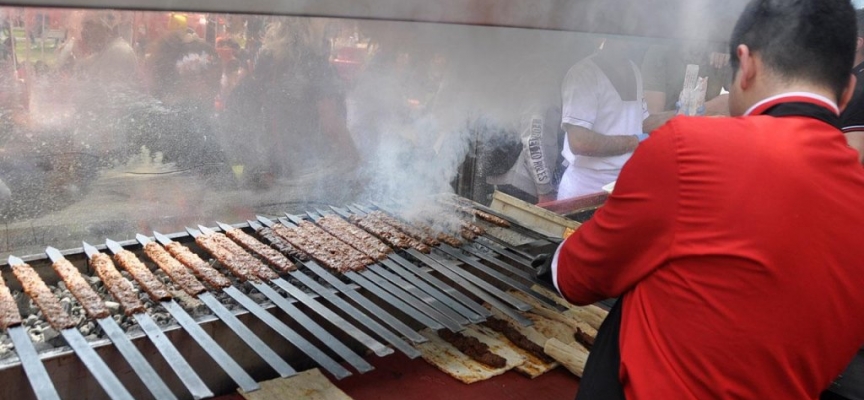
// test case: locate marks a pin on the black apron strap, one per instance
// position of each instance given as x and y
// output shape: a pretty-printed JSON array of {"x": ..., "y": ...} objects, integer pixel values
[
  {"x": 800, "y": 109},
  {"x": 600, "y": 380}
]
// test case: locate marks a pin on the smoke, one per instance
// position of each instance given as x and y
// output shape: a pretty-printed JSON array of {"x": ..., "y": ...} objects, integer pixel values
[{"x": 433, "y": 92}]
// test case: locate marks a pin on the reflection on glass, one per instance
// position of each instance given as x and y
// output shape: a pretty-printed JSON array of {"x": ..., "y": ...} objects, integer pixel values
[{"x": 118, "y": 122}]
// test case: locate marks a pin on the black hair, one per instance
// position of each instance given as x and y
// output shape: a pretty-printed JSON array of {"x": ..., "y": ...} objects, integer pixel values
[{"x": 806, "y": 40}]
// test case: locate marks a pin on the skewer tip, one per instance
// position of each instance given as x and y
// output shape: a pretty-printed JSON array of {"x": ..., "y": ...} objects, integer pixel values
[
  {"x": 113, "y": 246},
  {"x": 293, "y": 218},
  {"x": 53, "y": 254},
  {"x": 254, "y": 225},
  {"x": 161, "y": 238},
  {"x": 205, "y": 230},
  {"x": 142, "y": 239},
  {"x": 15, "y": 260},
  {"x": 264, "y": 220},
  {"x": 193, "y": 232},
  {"x": 224, "y": 227},
  {"x": 285, "y": 222},
  {"x": 89, "y": 249}
]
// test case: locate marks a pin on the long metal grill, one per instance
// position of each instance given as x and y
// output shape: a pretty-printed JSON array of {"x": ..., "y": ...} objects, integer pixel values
[{"x": 356, "y": 280}]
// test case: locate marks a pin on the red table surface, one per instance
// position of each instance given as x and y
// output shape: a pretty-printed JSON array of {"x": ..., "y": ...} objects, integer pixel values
[{"x": 397, "y": 377}]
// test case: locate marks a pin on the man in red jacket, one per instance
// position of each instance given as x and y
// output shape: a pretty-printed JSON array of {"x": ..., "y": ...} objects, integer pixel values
[{"x": 734, "y": 244}]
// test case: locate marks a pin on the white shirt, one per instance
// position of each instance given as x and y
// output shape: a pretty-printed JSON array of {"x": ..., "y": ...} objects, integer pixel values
[{"x": 589, "y": 100}]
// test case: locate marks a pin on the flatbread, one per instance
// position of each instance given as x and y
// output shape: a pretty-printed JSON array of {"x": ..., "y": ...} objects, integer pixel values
[
  {"x": 458, "y": 365},
  {"x": 533, "y": 366},
  {"x": 310, "y": 384}
]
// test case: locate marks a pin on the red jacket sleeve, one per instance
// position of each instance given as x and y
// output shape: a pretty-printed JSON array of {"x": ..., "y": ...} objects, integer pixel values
[{"x": 632, "y": 234}]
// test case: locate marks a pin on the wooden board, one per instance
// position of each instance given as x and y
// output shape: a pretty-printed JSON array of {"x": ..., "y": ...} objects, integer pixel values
[
  {"x": 308, "y": 385},
  {"x": 456, "y": 364}
]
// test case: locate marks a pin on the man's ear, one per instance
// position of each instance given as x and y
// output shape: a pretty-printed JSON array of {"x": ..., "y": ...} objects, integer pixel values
[
  {"x": 860, "y": 44},
  {"x": 846, "y": 96},
  {"x": 747, "y": 67}
]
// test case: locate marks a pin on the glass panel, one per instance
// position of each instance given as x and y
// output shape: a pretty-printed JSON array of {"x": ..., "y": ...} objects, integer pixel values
[{"x": 119, "y": 122}]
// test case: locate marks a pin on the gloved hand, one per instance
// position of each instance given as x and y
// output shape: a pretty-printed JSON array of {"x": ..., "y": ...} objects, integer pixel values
[{"x": 543, "y": 268}]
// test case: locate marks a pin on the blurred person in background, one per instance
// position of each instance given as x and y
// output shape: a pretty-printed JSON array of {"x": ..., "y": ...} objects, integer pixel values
[
  {"x": 107, "y": 57},
  {"x": 287, "y": 117},
  {"x": 184, "y": 74},
  {"x": 533, "y": 176},
  {"x": 603, "y": 107},
  {"x": 853, "y": 116},
  {"x": 663, "y": 70}
]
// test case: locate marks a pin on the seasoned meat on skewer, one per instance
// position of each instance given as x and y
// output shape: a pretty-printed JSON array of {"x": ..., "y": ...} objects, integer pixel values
[
  {"x": 238, "y": 266},
  {"x": 387, "y": 233},
  {"x": 9, "y": 315},
  {"x": 414, "y": 233},
  {"x": 120, "y": 288},
  {"x": 441, "y": 236},
  {"x": 86, "y": 296},
  {"x": 174, "y": 269},
  {"x": 199, "y": 267},
  {"x": 42, "y": 296},
  {"x": 272, "y": 256},
  {"x": 142, "y": 275},
  {"x": 255, "y": 266},
  {"x": 354, "y": 236},
  {"x": 280, "y": 244}
]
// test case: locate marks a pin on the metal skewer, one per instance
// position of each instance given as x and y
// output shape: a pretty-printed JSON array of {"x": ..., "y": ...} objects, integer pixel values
[
  {"x": 337, "y": 321},
  {"x": 40, "y": 382},
  {"x": 274, "y": 323},
  {"x": 461, "y": 276},
  {"x": 246, "y": 335},
  {"x": 395, "y": 296},
  {"x": 175, "y": 360},
  {"x": 419, "y": 289},
  {"x": 368, "y": 341},
  {"x": 97, "y": 367},
  {"x": 316, "y": 330},
  {"x": 349, "y": 292},
  {"x": 134, "y": 358},
  {"x": 216, "y": 352}
]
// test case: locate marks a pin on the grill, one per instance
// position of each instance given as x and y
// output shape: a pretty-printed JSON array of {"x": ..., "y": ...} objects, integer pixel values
[{"x": 318, "y": 310}]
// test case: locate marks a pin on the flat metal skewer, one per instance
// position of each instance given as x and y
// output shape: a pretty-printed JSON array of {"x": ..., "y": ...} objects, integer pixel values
[
  {"x": 419, "y": 289},
  {"x": 38, "y": 377},
  {"x": 518, "y": 304},
  {"x": 371, "y": 343},
  {"x": 133, "y": 356},
  {"x": 178, "y": 364},
  {"x": 242, "y": 331},
  {"x": 278, "y": 326},
  {"x": 393, "y": 295},
  {"x": 349, "y": 292},
  {"x": 310, "y": 326},
  {"x": 97, "y": 367},
  {"x": 216, "y": 352}
]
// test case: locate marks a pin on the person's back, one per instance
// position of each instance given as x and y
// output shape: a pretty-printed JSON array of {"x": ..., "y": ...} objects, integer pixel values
[
  {"x": 759, "y": 264},
  {"x": 733, "y": 244}
]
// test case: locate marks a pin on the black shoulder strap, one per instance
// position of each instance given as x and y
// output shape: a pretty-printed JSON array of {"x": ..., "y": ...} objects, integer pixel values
[{"x": 801, "y": 109}]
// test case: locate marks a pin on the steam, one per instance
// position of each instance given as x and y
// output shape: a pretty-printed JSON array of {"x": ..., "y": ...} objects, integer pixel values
[{"x": 489, "y": 77}]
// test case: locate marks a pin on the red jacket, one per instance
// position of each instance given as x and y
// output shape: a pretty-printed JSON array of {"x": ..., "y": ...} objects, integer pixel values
[{"x": 738, "y": 245}]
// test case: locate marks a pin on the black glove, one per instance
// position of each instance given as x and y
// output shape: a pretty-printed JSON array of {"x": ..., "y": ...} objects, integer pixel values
[{"x": 543, "y": 268}]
